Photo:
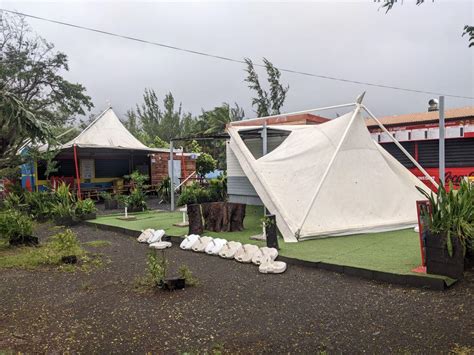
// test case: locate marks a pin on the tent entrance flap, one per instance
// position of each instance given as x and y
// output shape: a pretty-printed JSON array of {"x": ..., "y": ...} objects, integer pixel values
[{"x": 330, "y": 179}]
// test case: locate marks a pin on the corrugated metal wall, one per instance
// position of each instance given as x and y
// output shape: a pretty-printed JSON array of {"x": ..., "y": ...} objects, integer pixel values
[{"x": 239, "y": 188}]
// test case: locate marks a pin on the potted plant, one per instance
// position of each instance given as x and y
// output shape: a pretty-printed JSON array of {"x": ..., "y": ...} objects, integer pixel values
[
  {"x": 40, "y": 204},
  {"x": 110, "y": 203},
  {"x": 17, "y": 228},
  {"x": 450, "y": 229},
  {"x": 136, "y": 200},
  {"x": 86, "y": 210},
  {"x": 64, "y": 214}
]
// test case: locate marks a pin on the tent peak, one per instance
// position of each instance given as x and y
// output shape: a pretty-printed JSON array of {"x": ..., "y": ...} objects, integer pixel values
[{"x": 360, "y": 98}]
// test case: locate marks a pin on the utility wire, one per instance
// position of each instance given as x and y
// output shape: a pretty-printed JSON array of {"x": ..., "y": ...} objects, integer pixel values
[{"x": 327, "y": 77}]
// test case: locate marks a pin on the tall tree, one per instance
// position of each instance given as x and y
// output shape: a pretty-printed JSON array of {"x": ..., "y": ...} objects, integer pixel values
[
  {"x": 467, "y": 30},
  {"x": 149, "y": 120},
  {"x": 18, "y": 126},
  {"x": 267, "y": 103},
  {"x": 31, "y": 70}
]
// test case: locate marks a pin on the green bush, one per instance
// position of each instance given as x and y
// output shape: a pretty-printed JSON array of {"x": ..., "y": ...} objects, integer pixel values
[
  {"x": 452, "y": 214},
  {"x": 205, "y": 163},
  {"x": 85, "y": 206},
  {"x": 194, "y": 194},
  {"x": 63, "y": 204},
  {"x": 14, "y": 201},
  {"x": 15, "y": 226},
  {"x": 65, "y": 243},
  {"x": 218, "y": 188},
  {"x": 157, "y": 267},
  {"x": 40, "y": 203},
  {"x": 164, "y": 190},
  {"x": 185, "y": 273}
]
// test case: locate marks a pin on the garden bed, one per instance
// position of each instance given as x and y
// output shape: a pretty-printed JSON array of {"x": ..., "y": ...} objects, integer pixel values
[
  {"x": 396, "y": 253},
  {"x": 234, "y": 310}
]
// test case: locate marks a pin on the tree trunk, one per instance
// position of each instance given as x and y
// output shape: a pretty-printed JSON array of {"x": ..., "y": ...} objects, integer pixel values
[
  {"x": 235, "y": 216},
  {"x": 195, "y": 219}
]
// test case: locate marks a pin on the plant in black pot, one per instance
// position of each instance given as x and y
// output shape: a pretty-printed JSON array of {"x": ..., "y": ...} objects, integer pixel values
[
  {"x": 86, "y": 210},
  {"x": 17, "y": 228},
  {"x": 110, "y": 202},
  {"x": 450, "y": 229},
  {"x": 158, "y": 268},
  {"x": 40, "y": 203}
]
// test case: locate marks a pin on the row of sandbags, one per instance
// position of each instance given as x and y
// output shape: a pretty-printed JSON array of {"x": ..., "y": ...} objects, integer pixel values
[
  {"x": 154, "y": 238},
  {"x": 245, "y": 253}
]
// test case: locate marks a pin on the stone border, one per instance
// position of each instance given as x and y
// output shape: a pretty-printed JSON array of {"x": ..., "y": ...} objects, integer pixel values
[{"x": 424, "y": 282}]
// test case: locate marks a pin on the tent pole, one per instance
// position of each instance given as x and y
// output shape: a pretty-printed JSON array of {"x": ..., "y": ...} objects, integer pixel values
[
  {"x": 301, "y": 112},
  {"x": 172, "y": 176},
  {"x": 397, "y": 143},
  {"x": 77, "y": 173},
  {"x": 328, "y": 168}
]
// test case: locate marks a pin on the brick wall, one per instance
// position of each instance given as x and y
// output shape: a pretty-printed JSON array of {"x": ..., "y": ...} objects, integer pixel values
[{"x": 159, "y": 166}]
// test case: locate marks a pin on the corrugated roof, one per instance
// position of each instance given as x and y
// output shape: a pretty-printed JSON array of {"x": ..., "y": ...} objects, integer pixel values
[{"x": 423, "y": 117}]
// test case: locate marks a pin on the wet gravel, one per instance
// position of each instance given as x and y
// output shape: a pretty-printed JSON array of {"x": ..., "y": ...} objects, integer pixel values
[{"x": 234, "y": 310}]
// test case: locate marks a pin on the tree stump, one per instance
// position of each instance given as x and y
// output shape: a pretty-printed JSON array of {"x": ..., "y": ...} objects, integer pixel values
[
  {"x": 215, "y": 216},
  {"x": 195, "y": 219},
  {"x": 235, "y": 216}
]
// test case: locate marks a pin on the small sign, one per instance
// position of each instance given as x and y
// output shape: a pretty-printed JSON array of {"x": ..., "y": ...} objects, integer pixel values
[{"x": 87, "y": 168}]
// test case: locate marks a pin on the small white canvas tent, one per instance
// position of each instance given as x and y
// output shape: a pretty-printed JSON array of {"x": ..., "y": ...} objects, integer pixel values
[{"x": 330, "y": 179}]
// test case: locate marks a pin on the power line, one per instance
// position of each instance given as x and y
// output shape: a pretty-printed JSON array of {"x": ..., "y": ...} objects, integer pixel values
[{"x": 327, "y": 77}]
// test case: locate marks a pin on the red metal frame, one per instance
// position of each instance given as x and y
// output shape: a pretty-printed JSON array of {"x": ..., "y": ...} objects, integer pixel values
[{"x": 77, "y": 174}]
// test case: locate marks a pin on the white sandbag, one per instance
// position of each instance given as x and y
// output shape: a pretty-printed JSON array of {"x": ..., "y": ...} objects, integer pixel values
[
  {"x": 214, "y": 247},
  {"x": 269, "y": 266},
  {"x": 160, "y": 245},
  {"x": 228, "y": 250},
  {"x": 145, "y": 235},
  {"x": 246, "y": 253},
  {"x": 263, "y": 253},
  {"x": 157, "y": 235},
  {"x": 188, "y": 242},
  {"x": 201, "y": 244}
]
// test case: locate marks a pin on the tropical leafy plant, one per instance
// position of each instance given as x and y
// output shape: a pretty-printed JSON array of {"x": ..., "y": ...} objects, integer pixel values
[
  {"x": 106, "y": 196},
  {"x": 85, "y": 206},
  {"x": 40, "y": 203},
  {"x": 164, "y": 190},
  {"x": 194, "y": 194},
  {"x": 63, "y": 204},
  {"x": 15, "y": 226},
  {"x": 65, "y": 243},
  {"x": 452, "y": 214}
]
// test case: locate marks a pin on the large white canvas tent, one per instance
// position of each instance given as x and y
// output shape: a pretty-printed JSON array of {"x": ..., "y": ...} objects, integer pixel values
[{"x": 330, "y": 179}]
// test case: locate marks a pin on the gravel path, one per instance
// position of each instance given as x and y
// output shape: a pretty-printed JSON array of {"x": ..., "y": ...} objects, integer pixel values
[{"x": 235, "y": 309}]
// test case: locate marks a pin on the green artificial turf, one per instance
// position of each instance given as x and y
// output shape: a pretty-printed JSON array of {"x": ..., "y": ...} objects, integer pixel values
[{"x": 395, "y": 252}]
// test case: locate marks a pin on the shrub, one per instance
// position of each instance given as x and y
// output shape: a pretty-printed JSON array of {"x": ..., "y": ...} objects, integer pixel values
[
  {"x": 65, "y": 243},
  {"x": 63, "y": 204},
  {"x": 185, "y": 273},
  {"x": 452, "y": 214},
  {"x": 157, "y": 267},
  {"x": 194, "y": 194},
  {"x": 13, "y": 201},
  {"x": 40, "y": 203},
  {"x": 106, "y": 196},
  {"x": 85, "y": 206},
  {"x": 15, "y": 226},
  {"x": 164, "y": 190},
  {"x": 136, "y": 199},
  {"x": 205, "y": 163},
  {"x": 218, "y": 188}
]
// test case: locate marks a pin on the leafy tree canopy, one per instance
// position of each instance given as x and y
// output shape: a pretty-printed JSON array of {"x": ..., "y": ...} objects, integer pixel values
[
  {"x": 32, "y": 70},
  {"x": 467, "y": 30},
  {"x": 267, "y": 103}
]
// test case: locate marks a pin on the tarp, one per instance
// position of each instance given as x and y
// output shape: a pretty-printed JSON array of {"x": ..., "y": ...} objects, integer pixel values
[
  {"x": 106, "y": 131},
  {"x": 315, "y": 192}
]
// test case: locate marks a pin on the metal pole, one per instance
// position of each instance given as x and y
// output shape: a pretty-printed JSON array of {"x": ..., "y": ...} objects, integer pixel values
[
  {"x": 301, "y": 112},
  {"x": 441, "y": 141},
  {"x": 397, "y": 143},
  {"x": 172, "y": 175},
  {"x": 264, "y": 139},
  {"x": 328, "y": 168}
]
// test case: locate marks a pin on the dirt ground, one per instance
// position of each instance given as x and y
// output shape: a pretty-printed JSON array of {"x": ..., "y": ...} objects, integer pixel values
[{"x": 234, "y": 310}]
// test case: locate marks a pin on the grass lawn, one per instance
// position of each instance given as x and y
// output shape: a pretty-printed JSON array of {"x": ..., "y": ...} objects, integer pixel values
[{"x": 395, "y": 252}]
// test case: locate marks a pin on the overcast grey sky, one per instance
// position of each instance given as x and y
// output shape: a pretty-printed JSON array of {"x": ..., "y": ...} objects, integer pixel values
[{"x": 418, "y": 47}]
